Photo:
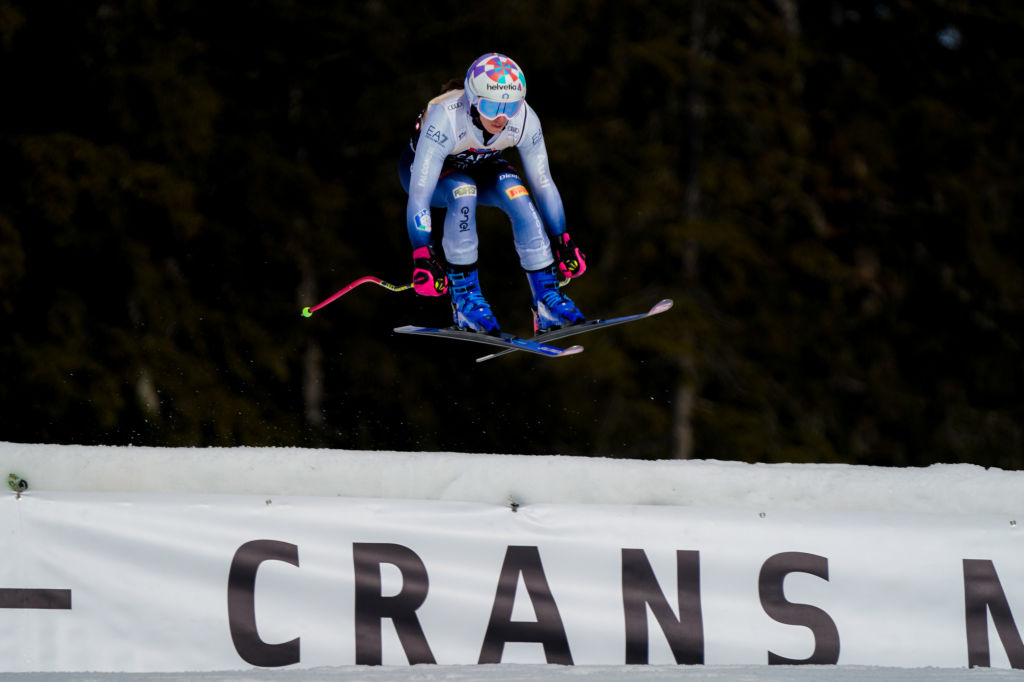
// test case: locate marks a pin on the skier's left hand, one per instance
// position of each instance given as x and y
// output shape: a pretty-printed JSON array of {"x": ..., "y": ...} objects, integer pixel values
[{"x": 571, "y": 261}]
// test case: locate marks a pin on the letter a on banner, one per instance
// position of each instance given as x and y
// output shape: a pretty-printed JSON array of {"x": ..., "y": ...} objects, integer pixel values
[
  {"x": 547, "y": 630},
  {"x": 983, "y": 594}
]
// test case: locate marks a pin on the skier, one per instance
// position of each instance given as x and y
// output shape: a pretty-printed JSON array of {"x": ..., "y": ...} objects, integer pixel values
[{"x": 454, "y": 161}]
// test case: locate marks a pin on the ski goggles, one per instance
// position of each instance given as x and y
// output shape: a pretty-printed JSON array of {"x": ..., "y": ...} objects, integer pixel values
[{"x": 492, "y": 109}]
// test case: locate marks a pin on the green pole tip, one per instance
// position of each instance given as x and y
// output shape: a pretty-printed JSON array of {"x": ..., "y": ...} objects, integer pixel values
[{"x": 306, "y": 312}]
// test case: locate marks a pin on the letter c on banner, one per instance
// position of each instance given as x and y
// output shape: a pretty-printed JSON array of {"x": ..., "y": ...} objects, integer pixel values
[{"x": 242, "y": 603}]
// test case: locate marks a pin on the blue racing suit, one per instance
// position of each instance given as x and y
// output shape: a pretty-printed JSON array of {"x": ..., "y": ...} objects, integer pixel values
[{"x": 454, "y": 164}]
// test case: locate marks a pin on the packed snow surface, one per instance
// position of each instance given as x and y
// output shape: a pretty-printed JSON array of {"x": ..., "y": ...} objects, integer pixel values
[{"x": 500, "y": 479}]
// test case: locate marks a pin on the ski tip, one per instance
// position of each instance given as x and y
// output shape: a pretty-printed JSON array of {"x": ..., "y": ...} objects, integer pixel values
[
  {"x": 571, "y": 350},
  {"x": 661, "y": 306},
  {"x": 306, "y": 312}
]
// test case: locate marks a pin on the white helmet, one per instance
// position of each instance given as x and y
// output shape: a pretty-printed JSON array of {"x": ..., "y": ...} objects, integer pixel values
[{"x": 495, "y": 85}]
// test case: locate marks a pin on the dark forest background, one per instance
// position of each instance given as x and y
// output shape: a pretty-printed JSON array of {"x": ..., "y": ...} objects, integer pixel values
[{"x": 829, "y": 190}]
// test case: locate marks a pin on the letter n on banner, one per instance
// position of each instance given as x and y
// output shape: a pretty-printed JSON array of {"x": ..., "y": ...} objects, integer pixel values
[
  {"x": 983, "y": 594},
  {"x": 640, "y": 590}
]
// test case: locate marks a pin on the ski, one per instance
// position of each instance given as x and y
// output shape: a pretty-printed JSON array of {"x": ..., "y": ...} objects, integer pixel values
[
  {"x": 509, "y": 342},
  {"x": 588, "y": 326}
]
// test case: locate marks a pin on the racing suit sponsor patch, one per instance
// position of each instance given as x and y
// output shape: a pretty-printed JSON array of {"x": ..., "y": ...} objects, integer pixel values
[
  {"x": 422, "y": 220},
  {"x": 516, "y": 191}
]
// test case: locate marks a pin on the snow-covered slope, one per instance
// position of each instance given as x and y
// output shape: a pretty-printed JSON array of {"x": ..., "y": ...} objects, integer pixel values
[{"x": 943, "y": 488}]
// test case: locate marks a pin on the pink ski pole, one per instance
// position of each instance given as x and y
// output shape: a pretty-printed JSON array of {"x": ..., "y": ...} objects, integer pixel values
[{"x": 309, "y": 310}]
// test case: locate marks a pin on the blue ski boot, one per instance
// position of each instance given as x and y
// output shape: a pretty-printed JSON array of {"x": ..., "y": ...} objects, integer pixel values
[
  {"x": 469, "y": 307},
  {"x": 551, "y": 308}
]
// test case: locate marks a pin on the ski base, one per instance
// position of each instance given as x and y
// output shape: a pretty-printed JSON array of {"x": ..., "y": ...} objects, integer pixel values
[
  {"x": 509, "y": 342},
  {"x": 587, "y": 326}
]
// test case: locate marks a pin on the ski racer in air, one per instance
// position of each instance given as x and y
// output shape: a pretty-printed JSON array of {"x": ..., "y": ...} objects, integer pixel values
[{"x": 454, "y": 161}]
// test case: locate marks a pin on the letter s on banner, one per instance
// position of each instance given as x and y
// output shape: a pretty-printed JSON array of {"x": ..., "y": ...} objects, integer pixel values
[{"x": 774, "y": 603}]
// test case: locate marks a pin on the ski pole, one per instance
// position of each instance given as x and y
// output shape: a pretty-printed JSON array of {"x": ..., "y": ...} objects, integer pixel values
[{"x": 309, "y": 310}]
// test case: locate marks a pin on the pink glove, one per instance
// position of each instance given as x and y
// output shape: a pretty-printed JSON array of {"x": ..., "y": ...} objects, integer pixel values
[
  {"x": 428, "y": 276},
  {"x": 571, "y": 261}
]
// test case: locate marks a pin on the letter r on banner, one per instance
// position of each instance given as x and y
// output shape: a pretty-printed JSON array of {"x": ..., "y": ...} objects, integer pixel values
[{"x": 372, "y": 607}]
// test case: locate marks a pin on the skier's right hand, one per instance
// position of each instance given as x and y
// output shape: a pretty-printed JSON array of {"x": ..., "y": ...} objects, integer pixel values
[{"x": 428, "y": 276}]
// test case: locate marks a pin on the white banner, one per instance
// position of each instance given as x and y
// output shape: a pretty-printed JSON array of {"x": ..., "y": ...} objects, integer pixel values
[{"x": 151, "y": 583}]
